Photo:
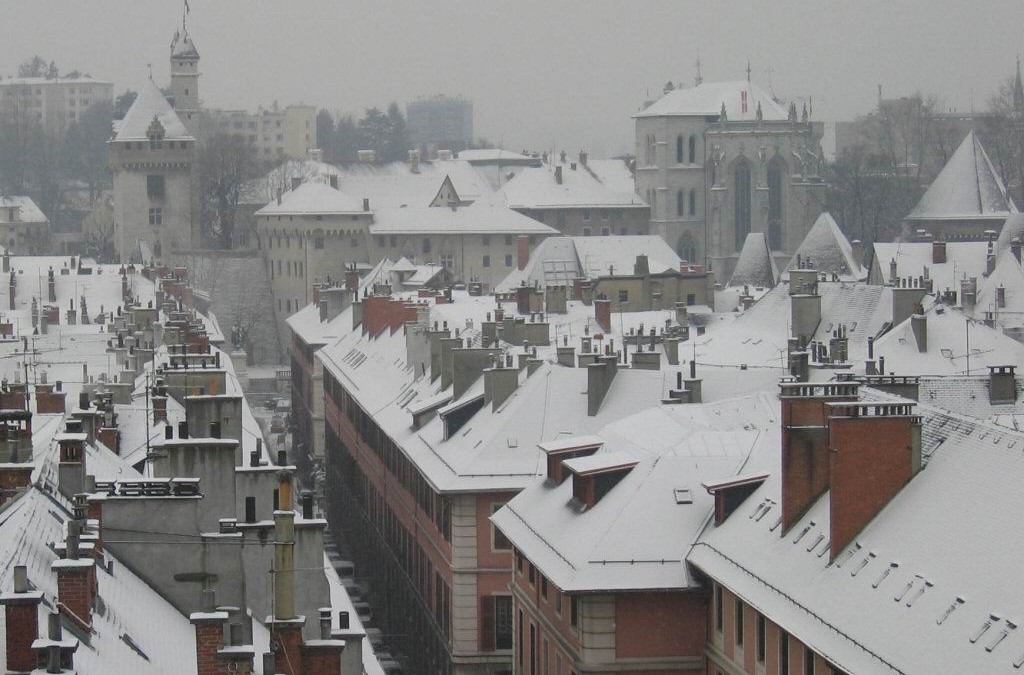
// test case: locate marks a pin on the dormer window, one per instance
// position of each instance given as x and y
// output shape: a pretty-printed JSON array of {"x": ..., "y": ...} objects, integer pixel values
[
  {"x": 560, "y": 451},
  {"x": 155, "y": 133},
  {"x": 593, "y": 477}
]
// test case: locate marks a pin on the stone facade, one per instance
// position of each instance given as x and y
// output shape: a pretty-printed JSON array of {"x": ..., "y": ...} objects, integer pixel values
[{"x": 711, "y": 179}]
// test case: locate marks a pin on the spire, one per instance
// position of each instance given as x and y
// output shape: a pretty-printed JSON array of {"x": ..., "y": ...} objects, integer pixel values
[
  {"x": 748, "y": 70},
  {"x": 1018, "y": 91},
  {"x": 699, "y": 77}
]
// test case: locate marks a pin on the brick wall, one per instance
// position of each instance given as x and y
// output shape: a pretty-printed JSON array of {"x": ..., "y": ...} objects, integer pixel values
[
  {"x": 76, "y": 587},
  {"x": 13, "y": 478},
  {"x": 22, "y": 630},
  {"x": 209, "y": 639}
]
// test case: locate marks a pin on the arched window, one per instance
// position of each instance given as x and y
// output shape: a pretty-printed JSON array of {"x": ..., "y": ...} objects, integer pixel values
[
  {"x": 687, "y": 248},
  {"x": 693, "y": 202},
  {"x": 776, "y": 170},
  {"x": 679, "y": 149},
  {"x": 680, "y": 203},
  {"x": 741, "y": 203},
  {"x": 693, "y": 149}
]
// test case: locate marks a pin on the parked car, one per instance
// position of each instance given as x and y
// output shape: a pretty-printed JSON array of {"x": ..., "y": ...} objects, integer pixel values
[{"x": 277, "y": 425}]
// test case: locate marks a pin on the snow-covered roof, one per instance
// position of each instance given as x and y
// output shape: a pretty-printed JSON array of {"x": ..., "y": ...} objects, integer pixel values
[
  {"x": 262, "y": 190},
  {"x": 150, "y": 104},
  {"x": 475, "y": 219},
  {"x": 28, "y": 212},
  {"x": 828, "y": 249},
  {"x": 313, "y": 198},
  {"x": 536, "y": 188},
  {"x": 182, "y": 46},
  {"x": 1013, "y": 228},
  {"x": 636, "y": 535},
  {"x": 34, "y": 81},
  {"x": 912, "y": 258},
  {"x": 494, "y": 155},
  {"x": 755, "y": 266},
  {"x": 947, "y": 353},
  {"x": 1009, "y": 275},
  {"x": 614, "y": 173},
  {"x": 968, "y": 187},
  {"x": 740, "y": 98},
  {"x": 941, "y": 548},
  {"x": 558, "y": 260}
]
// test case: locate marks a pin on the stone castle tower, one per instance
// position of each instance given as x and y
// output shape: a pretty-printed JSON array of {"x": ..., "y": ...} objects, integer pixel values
[{"x": 185, "y": 78}]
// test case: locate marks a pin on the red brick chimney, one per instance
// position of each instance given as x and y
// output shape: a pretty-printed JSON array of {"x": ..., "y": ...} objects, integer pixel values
[
  {"x": 603, "y": 314},
  {"x": 51, "y": 400},
  {"x": 805, "y": 456},
  {"x": 21, "y": 607},
  {"x": 522, "y": 251},
  {"x": 211, "y": 656},
  {"x": 352, "y": 280},
  {"x": 875, "y": 451},
  {"x": 76, "y": 579},
  {"x": 938, "y": 252}
]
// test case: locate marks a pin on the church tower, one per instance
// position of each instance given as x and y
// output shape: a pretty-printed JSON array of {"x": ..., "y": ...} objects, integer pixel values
[{"x": 185, "y": 77}]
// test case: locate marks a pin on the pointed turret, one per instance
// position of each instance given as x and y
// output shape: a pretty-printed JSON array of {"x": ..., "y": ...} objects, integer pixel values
[{"x": 185, "y": 75}]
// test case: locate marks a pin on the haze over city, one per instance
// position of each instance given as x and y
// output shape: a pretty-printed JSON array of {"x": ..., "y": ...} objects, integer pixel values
[{"x": 540, "y": 73}]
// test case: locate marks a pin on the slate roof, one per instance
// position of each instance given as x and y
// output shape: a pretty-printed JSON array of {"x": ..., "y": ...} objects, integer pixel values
[
  {"x": 148, "y": 104},
  {"x": 968, "y": 187},
  {"x": 755, "y": 266},
  {"x": 829, "y": 251},
  {"x": 313, "y": 198},
  {"x": 536, "y": 188}
]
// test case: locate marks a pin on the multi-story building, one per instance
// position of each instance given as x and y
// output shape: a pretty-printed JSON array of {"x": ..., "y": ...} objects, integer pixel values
[
  {"x": 151, "y": 156},
  {"x": 316, "y": 230},
  {"x": 440, "y": 122},
  {"x": 55, "y": 103},
  {"x": 720, "y": 160},
  {"x": 275, "y": 133},
  {"x": 579, "y": 198},
  {"x": 430, "y": 429}
]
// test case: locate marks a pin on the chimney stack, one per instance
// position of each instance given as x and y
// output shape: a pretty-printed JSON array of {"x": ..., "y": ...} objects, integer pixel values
[
  {"x": 76, "y": 578},
  {"x": 919, "y": 326},
  {"x": 522, "y": 251},
  {"x": 603, "y": 314},
  {"x": 558, "y": 174},
  {"x": 21, "y": 607},
  {"x": 938, "y": 252},
  {"x": 1002, "y": 385},
  {"x": 875, "y": 451}
]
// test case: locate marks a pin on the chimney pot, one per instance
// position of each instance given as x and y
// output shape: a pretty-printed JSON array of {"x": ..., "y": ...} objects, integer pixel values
[
  {"x": 209, "y": 599},
  {"x": 20, "y": 579},
  {"x": 343, "y": 621},
  {"x": 282, "y": 458},
  {"x": 168, "y": 432}
]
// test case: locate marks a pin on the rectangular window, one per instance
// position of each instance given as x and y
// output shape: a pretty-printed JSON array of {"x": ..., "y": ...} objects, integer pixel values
[
  {"x": 487, "y": 261},
  {"x": 503, "y": 622},
  {"x": 558, "y": 603},
  {"x": 543, "y": 587},
  {"x": 783, "y": 653},
  {"x": 508, "y": 260},
  {"x": 624, "y": 296},
  {"x": 519, "y": 639},
  {"x": 574, "y": 611},
  {"x": 519, "y": 562},
  {"x": 380, "y": 242},
  {"x": 447, "y": 260},
  {"x": 808, "y": 661},
  {"x": 739, "y": 622},
  {"x": 691, "y": 299},
  {"x": 531, "y": 573},
  {"x": 498, "y": 540},
  {"x": 586, "y": 215},
  {"x": 586, "y": 231},
  {"x": 719, "y": 620},
  {"x": 155, "y": 186},
  {"x": 605, "y": 214},
  {"x": 486, "y": 240},
  {"x": 508, "y": 240},
  {"x": 426, "y": 244},
  {"x": 605, "y": 231},
  {"x": 156, "y": 216},
  {"x": 762, "y": 637},
  {"x": 318, "y": 242},
  {"x": 393, "y": 241}
]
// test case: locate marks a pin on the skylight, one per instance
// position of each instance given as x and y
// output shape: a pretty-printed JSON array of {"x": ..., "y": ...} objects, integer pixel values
[{"x": 683, "y": 496}]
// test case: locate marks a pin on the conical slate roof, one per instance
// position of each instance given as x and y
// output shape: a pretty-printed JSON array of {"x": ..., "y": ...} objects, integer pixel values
[
  {"x": 755, "y": 266},
  {"x": 151, "y": 104},
  {"x": 827, "y": 248},
  {"x": 182, "y": 46},
  {"x": 967, "y": 187}
]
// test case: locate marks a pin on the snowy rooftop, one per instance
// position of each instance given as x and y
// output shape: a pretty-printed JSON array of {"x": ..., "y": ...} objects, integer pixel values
[
  {"x": 32, "y": 81},
  {"x": 313, "y": 198},
  {"x": 740, "y": 98},
  {"x": 557, "y": 260},
  {"x": 149, "y": 104},
  {"x": 27, "y": 211},
  {"x": 967, "y": 187},
  {"x": 636, "y": 536},
  {"x": 912, "y": 258},
  {"x": 537, "y": 188},
  {"x": 756, "y": 266},
  {"x": 474, "y": 219},
  {"x": 828, "y": 249},
  {"x": 940, "y": 549}
]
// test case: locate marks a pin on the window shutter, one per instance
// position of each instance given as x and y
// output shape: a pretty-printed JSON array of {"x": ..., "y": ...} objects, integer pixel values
[{"x": 487, "y": 623}]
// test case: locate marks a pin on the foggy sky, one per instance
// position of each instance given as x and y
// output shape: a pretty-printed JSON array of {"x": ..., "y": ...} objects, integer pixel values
[{"x": 541, "y": 73}]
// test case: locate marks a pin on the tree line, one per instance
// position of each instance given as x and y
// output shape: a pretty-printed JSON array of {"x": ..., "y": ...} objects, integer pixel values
[{"x": 342, "y": 137}]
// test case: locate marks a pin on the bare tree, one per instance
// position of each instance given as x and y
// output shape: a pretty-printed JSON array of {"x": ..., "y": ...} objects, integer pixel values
[{"x": 226, "y": 162}]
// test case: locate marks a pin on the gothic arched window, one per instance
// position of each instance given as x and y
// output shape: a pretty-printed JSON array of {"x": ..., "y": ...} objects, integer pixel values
[
  {"x": 693, "y": 202},
  {"x": 687, "y": 248},
  {"x": 741, "y": 204},
  {"x": 680, "y": 203},
  {"x": 679, "y": 149},
  {"x": 776, "y": 170}
]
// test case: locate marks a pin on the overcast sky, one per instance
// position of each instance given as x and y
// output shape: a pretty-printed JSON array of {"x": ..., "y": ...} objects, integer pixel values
[{"x": 541, "y": 73}]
